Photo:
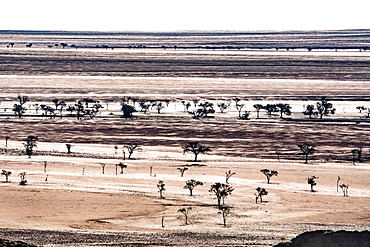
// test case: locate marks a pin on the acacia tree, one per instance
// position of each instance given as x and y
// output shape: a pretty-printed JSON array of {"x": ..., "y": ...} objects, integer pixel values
[
  {"x": 245, "y": 115},
  {"x": 258, "y": 107},
  {"x": 269, "y": 174},
  {"x": 260, "y": 192},
  {"x": 144, "y": 106},
  {"x": 191, "y": 184},
  {"x": 185, "y": 212},
  {"x": 78, "y": 107},
  {"x": 223, "y": 106},
  {"x": 127, "y": 110},
  {"x": 284, "y": 109},
  {"x": 22, "y": 175},
  {"x": 207, "y": 108},
  {"x": 312, "y": 182},
  {"x": 356, "y": 155},
  {"x": 158, "y": 106},
  {"x": 19, "y": 109},
  {"x": 324, "y": 107},
  {"x": 182, "y": 170},
  {"x": 239, "y": 108},
  {"x": 203, "y": 110},
  {"x": 59, "y": 105},
  {"x": 131, "y": 147},
  {"x": 228, "y": 175},
  {"x": 6, "y": 174},
  {"x": 221, "y": 191},
  {"x": 310, "y": 111},
  {"x": 69, "y": 146},
  {"x": 361, "y": 108},
  {"x": 196, "y": 148},
  {"x": 307, "y": 149},
  {"x": 270, "y": 108},
  {"x": 344, "y": 188},
  {"x": 161, "y": 188},
  {"x": 122, "y": 166},
  {"x": 30, "y": 144}
]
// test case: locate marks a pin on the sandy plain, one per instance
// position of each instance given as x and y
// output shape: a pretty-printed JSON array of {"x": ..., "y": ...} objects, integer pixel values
[{"x": 95, "y": 209}]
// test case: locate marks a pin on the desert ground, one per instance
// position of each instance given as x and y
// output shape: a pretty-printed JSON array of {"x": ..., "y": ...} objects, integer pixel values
[{"x": 71, "y": 202}]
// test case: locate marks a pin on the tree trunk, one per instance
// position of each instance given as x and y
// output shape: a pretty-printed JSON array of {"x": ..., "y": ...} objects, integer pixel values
[
  {"x": 191, "y": 192},
  {"x": 196, "y": 157},
  {"x": 219, "y": 201},
  {"x": 306, "y": 162}
]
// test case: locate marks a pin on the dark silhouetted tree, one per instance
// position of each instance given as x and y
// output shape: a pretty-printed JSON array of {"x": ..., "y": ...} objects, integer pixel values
[
  {"x": 239, "y": 108},
  {"x": 204, "y": 109},
  {"x": 22, "y": 175},
  {"x": 228, "y": 175},
  {"x": 59, "y": 105},
  {"x": 131, "y": 147},
  {"x": 324, "y": 108},
  {"x": 221, "y": 191},
  {"x": 158, "y": 106},
  {"x": 269, "y": 174},
  {"x": 127, "y": 110},
  {"x": 182, "y": 170},
  {"x": 245, "y": 115},
  {"x": 284, "y": 109},
  {"x": 223, "y": 106},
  {"x": 260, "y": 193},
  {"x": 270, "y": 108},
  {"x": 344, "y": 188},
  {"x": 191, "y": 184},
  {"x": 185, "y": 212},
  {"x": 121, "y": 166},
  {"x": 307, "y": 149},
  {"x": 69, "y": 146},
  {"x": 356, "y": 155},
  {"x": 19, "y": 109},
  {"x": 196, "y": 148},
  {"x": 312, "y": 182},
  {"x": 6, "y": 174},
  {"x": 64, "y": 45},
  {"x": 195, "y": 102},
  {"x": 310, "y": 111},
  {"x": 144, "y": 105},
  {"x": 258, "y": 108},
  {"x": 161, "y": 188},
  {"x": 361, "y": 108},
  {"x": 30, "y": 144}
]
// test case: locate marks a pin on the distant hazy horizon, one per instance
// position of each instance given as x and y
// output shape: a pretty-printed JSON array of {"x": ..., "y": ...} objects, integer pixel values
[{"x": 166, "y": 15}]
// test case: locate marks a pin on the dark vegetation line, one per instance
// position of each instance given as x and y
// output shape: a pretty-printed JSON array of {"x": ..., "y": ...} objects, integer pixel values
[{"x": 236, "y": 137}]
